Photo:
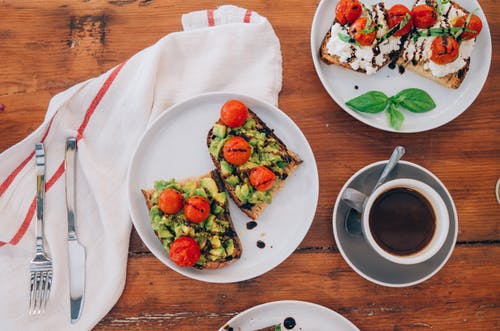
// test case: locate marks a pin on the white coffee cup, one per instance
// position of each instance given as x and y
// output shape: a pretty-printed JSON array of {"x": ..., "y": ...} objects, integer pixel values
[{"x": 441, "y": 221}]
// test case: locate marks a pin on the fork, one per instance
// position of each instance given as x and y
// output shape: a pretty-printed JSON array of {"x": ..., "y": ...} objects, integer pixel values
[{"x": 41, "y": 265}]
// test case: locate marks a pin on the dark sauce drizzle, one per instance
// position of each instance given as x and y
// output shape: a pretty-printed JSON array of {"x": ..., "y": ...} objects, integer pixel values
[
  {"x": 289, "y": 323},
  {"x": 251, "y": 225}
]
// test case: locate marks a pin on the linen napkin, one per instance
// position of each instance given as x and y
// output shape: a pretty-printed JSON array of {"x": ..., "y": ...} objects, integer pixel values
[{"x": 228, "y": 49}]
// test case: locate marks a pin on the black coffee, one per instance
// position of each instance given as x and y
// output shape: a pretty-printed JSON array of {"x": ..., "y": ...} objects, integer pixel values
[{"x": 402, "y": 221}]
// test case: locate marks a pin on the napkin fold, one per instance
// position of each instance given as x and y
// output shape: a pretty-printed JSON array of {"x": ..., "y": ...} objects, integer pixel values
[{"x": 228, "y": 49}]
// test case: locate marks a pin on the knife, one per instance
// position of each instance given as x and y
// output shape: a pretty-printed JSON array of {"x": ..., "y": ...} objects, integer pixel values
[{"x": 75, "y": 249}]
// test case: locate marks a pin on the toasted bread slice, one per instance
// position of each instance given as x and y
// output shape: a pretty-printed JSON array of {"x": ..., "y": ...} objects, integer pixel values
[
  {"x": 364, "y": 59},
  {"x": 218, "y": 224},
  {"x": 268, "y": 150},
  {"x": 416, "y": 54}
]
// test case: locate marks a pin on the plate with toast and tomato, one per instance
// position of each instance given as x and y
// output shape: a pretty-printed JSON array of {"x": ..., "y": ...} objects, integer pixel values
[
  {"x": 223, "y": 187},
  {"x": 405, "y": 66}
]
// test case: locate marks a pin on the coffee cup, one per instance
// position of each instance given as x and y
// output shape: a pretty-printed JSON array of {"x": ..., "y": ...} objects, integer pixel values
[{"x": 403, "y": 220}]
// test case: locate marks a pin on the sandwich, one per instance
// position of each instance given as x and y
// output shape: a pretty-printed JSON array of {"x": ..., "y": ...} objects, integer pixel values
[
  {"x": 441, "y": 42},
  {"x": 251, "y": 160},
  {"x": 191, "y": 219},
  {"x": 365, "y": 38}
]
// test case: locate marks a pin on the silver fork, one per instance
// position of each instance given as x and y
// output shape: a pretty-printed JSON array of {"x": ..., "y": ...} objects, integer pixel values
[{"x": 41, "y": 265}]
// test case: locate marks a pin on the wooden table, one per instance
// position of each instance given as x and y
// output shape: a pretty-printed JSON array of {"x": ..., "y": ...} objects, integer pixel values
[{"x": 46, "y": 47}]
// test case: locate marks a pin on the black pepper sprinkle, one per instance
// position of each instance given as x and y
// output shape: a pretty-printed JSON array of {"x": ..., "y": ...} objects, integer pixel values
[
  {"x": 261, "y": 244},
  {"x": 356, "y": 87},
  {"x": 251, "y": 225}
]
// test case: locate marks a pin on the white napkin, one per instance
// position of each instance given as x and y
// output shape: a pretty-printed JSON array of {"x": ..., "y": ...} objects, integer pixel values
[{"x": 227, "y": 49}]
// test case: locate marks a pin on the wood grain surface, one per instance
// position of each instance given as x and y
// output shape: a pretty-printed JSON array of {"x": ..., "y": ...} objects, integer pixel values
[{"x": 46, "y": 47}]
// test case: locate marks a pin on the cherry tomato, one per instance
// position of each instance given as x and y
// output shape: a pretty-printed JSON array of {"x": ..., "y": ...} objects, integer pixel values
[
  {"x": 444, "y": 49},
  {"x": 170, "y": 201},
  {"x": 262, "y": 178},
  {"x": 395, "y": 15},
  {"x": 347, "y": 11},
  {"x": 424, "y": 16},
  {"x": 475, "y": 25},
  {"x": 236, "y": 150},
  {"x": 234, "y": 113},
  {"x": 364, "y": 39},
  {"x": 184, "y": 251},
  {"x": 196, "y": 209}
]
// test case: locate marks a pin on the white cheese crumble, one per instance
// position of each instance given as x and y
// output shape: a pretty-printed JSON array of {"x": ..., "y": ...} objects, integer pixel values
[
  {"x": 441, "y": 70},
  {"x": 363, "y": 56},
  {"x": 421, "y": 49}
]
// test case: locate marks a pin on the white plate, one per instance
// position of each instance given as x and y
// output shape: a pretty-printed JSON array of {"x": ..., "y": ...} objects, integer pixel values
[
  {"x": 340, "y": 82},
  {"x": 175, "y": 147},
  {"x": 308, "y": 317}
]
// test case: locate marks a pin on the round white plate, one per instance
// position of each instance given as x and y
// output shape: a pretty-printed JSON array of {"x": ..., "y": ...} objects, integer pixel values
[
  {"x": 175, "y": 147},
  {"x": 340, "y": 82},
  {"x": 308, "y": 317},
  {"x": 362, "y": 258}
]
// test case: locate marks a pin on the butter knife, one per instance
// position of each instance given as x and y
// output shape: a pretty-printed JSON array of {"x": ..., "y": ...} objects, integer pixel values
[{"x": 75, "y": 249}]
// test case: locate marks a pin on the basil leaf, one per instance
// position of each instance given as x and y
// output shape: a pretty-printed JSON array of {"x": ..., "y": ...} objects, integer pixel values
[
  {"x": 415, "y": 100},
  {"x": 370, "y": 102},
  {"x": 396, "y": 118}
]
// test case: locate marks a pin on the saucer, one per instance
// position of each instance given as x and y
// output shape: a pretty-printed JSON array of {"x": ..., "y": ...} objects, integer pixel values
[{"x": 362, "y": 258}]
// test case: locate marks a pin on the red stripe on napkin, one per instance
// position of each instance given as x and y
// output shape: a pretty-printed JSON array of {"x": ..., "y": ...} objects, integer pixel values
[
  {"x": 210, "y": 17},
  {"x": 88, "y": 114},
  {"x": 248, "y": 14},
  {"x": 27, "y": 220},
  {"x": 97, "y": 99},
  {"x": 6, "y": 183}
]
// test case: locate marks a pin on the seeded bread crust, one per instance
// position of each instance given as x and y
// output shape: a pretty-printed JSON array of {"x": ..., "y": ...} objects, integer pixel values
[
  {"x": 452, "y": 80},
  {"x": 257, "y": 209},
  {"x": 236, "y": 241}
]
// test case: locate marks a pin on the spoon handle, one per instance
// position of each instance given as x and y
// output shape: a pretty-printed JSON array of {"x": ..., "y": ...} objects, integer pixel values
[{"x": 398, "y": 152}]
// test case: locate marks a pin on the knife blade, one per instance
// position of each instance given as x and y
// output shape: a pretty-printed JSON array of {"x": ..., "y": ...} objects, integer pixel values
[{"x": 76, "y": 252}]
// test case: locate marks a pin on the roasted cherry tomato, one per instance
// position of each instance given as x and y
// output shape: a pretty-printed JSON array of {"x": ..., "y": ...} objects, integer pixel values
[
  {"x": 395, "y": 15},
  {"x": 424, "y": 16},
  {"x": 170, "y": 201},
  {"x": 236, "y": 150},
  {"x": 234, "y": 113},
  {"x": 347, "y": 11},
  {"x": 196, "y": 209},
  {"x": 475, "y": 25},
  {"x": 262, "y": 178},
  {"x": 444, "y": 49},
  {"x": 363, "y": 38},
  {"x": 184, "y": 251}
]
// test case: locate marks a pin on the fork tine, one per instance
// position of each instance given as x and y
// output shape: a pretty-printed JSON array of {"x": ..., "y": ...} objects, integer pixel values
[
  {"x": 46, "y": 289},
  {"x": 32, "y": 292},
  {"x": 38, "y": 292},
  {"x": 42, "y": 292}
]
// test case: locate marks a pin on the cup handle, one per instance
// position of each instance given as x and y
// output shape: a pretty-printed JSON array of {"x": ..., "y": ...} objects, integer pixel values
[{"x": 354, "y": 199}]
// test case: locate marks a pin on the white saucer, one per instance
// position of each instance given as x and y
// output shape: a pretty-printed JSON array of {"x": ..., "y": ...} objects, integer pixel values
[{"x": 362, "y": 258}]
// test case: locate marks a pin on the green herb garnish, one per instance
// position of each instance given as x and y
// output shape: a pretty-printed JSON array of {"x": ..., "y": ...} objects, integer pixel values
[
  {"x": 348, "y": 39},
  {"x": 412, "y": 99},
  {"x": 395, "y": 28},
  {"x": 440, "y": 4},
  {"x": 367, "y": 28}
]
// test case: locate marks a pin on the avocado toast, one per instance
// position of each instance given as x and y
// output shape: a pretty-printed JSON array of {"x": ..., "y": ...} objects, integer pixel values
[
  {"x": 215, "y": 236},
  {"x": 266, "y": 152}
]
